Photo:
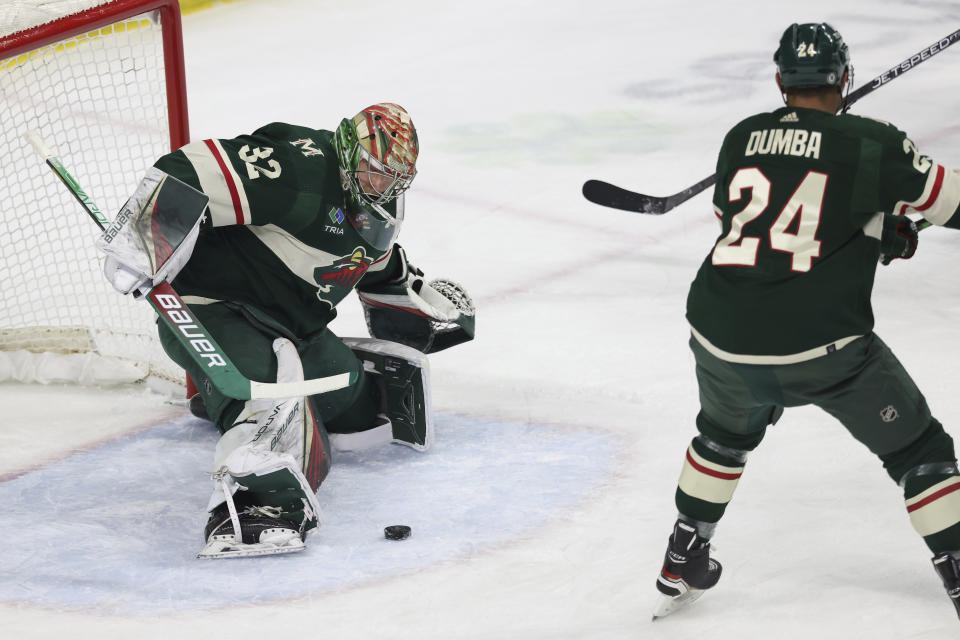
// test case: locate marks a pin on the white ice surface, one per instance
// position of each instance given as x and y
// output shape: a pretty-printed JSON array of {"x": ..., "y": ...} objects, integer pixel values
[{"x": 544, "y": 510}]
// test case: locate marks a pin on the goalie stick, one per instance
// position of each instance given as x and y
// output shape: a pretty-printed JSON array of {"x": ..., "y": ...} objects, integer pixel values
[
  {"x": 178, "y": 317},
  {"x": 610, "y": 195}
]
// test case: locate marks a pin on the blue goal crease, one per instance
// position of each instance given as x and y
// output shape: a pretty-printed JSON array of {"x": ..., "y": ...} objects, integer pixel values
[{"x": 117, "y": 528}]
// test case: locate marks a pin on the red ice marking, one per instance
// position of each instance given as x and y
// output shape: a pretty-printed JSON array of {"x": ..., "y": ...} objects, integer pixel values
[
  {"x": 92, "y": 445},
  {"x": 934, "y": 496},
  {"x": 231, "y": 185},
  {"x": 710, "y": 472}
]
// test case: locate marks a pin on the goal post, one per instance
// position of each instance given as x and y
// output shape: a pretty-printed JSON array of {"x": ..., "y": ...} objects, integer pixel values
[{"x": 103, "y": 83}]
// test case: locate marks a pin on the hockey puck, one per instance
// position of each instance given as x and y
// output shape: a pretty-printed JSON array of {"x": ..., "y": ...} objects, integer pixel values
[{"x": 396, "y": 532}]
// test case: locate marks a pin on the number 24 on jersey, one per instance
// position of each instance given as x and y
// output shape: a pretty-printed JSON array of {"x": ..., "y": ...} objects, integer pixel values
[{"x": 737, "y": 249}]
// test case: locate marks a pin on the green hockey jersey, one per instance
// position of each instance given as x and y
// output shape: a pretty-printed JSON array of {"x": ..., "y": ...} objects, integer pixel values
[
  {"x": 801, "y": 196},
  {"x": 277, "y": 237}
]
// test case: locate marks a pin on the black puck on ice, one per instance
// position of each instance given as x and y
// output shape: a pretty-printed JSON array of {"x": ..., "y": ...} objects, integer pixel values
[{"x": 396, "y": 532}]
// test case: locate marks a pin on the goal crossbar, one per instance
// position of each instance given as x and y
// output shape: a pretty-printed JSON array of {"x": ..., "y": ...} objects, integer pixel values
[{"x": 105, "y": 15}]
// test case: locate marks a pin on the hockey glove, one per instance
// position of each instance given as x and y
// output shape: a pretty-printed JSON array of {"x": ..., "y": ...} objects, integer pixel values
[
  {"x": 899, "y": 240},
  {"x": 152, "y": 237},
  {"x": 426, "y": 316}
]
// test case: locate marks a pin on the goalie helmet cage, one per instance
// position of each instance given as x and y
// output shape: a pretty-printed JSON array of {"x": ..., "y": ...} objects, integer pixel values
[{"x": 103, "y": 83}]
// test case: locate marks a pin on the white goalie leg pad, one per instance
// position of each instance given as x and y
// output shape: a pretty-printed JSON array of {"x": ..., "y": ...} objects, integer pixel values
[
  {"x": 380, "y": 434},
  {"x": 274, "y": 442},
  {"x": 405, "y": 373}
]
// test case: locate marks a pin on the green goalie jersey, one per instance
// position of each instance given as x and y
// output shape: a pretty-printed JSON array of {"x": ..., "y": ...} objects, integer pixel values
[
  {"x": 801, "y": 197},
  {"x": 276, "y": 238}
]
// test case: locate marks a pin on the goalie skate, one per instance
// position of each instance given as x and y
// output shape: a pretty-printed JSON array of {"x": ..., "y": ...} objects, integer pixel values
[{"x": 262, "y": 532}]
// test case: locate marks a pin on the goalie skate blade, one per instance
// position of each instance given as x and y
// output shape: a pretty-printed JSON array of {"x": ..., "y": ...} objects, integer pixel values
[
  {"x": 230, "y": 549},
  {"x": 668, "y": 605}
]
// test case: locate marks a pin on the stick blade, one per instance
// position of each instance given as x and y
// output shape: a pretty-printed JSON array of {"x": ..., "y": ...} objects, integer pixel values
[{"x": 610, "y": 195}]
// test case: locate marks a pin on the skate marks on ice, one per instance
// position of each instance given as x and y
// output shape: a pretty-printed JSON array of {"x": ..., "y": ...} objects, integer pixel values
[{"x": 116, "y": 529}]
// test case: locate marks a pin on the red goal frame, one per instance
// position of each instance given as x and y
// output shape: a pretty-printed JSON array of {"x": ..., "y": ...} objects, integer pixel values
[{"x": 105, "y": 15}]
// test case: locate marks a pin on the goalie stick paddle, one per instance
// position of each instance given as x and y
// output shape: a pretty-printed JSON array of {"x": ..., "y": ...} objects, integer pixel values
[
  {"x": 610, "y": 195},
  {"x": 178, "y": 317}
]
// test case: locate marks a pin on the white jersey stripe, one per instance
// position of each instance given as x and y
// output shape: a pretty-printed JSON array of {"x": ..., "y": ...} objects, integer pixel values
[
  {"x": 212, "y": 183},
  {"x": 792, "y": 358},
  {"x": 241, "y": 205},
  {"x": 947, "y": 200},
  {"x": 940, "y": 197},
  {"x": 300, "y": 258},
  {"x": 228, "y": 201}
]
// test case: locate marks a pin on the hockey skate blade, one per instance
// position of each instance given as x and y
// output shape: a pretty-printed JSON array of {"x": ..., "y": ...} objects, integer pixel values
[
  {"x": 668, "y": 604},
  {"x": 227, "y": 547}
]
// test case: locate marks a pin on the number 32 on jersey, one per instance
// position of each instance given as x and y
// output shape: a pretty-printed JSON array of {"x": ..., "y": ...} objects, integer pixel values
[
  {"x": 254, "y": 170},
  {"x": 736, "y": 249}
]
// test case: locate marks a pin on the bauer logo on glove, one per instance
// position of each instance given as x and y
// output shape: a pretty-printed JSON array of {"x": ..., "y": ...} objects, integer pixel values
[{"x": 152, "y": 237}]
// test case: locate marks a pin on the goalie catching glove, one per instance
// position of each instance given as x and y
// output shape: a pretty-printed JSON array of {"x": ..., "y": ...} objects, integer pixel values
[
  {"x": 152, "y": 237},
  {"x": 429, "y": 317}
]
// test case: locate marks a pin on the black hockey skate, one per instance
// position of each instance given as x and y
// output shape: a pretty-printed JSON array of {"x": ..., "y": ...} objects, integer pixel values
[
  {"x": 949, "y": 571},
  {"x": 688, "y": 570},
  {"x": 262, "y": 532}
]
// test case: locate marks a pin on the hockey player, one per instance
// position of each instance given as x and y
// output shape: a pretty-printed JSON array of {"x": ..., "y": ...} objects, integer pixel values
[
  {"x": 808, "y": 200},
  {"x": 297, "y": 219}
]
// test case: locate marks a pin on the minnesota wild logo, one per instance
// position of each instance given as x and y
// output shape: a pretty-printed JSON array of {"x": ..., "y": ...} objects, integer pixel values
[{"x": 338, "y": 278}]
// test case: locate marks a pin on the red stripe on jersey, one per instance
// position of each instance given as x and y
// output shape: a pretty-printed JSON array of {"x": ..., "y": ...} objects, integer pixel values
[
  {"x": 383, "y": 257},
  {"x": 710, "y": 472},
  {"x": 934, "y": 193},
  {"x": 231, "y": 186},
  {"x": 383, "y": 305},
  {"x": 933, "y": 496}
]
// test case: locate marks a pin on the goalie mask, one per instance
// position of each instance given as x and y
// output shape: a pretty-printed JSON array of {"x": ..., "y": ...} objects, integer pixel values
[
  {"x": 812, "y": 55},
  {"x": 377, "y": 152}
]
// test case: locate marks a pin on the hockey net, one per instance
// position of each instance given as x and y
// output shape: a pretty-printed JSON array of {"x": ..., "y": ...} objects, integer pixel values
[{"x": 103, "y": 84}]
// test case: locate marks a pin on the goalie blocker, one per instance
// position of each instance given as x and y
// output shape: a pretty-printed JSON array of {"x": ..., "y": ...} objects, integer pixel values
[{"x": 153, "y": 236}]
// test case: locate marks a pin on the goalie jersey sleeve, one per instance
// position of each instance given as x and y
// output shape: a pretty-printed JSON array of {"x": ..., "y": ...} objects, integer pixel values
[
  {"x": 276, "y": 238},
  {"x": 800, "y": 196}
]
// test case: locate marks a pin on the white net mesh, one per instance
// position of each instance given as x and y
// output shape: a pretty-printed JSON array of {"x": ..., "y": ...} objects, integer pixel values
[
  {"x": 19, "y": 15},
  {"x": 99, "y": 101}
]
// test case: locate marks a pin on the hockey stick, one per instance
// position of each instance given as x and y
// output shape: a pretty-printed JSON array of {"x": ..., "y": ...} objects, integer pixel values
[
  {"x": 178, "y": 317},
  {"x": 609, "y": 195}
]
